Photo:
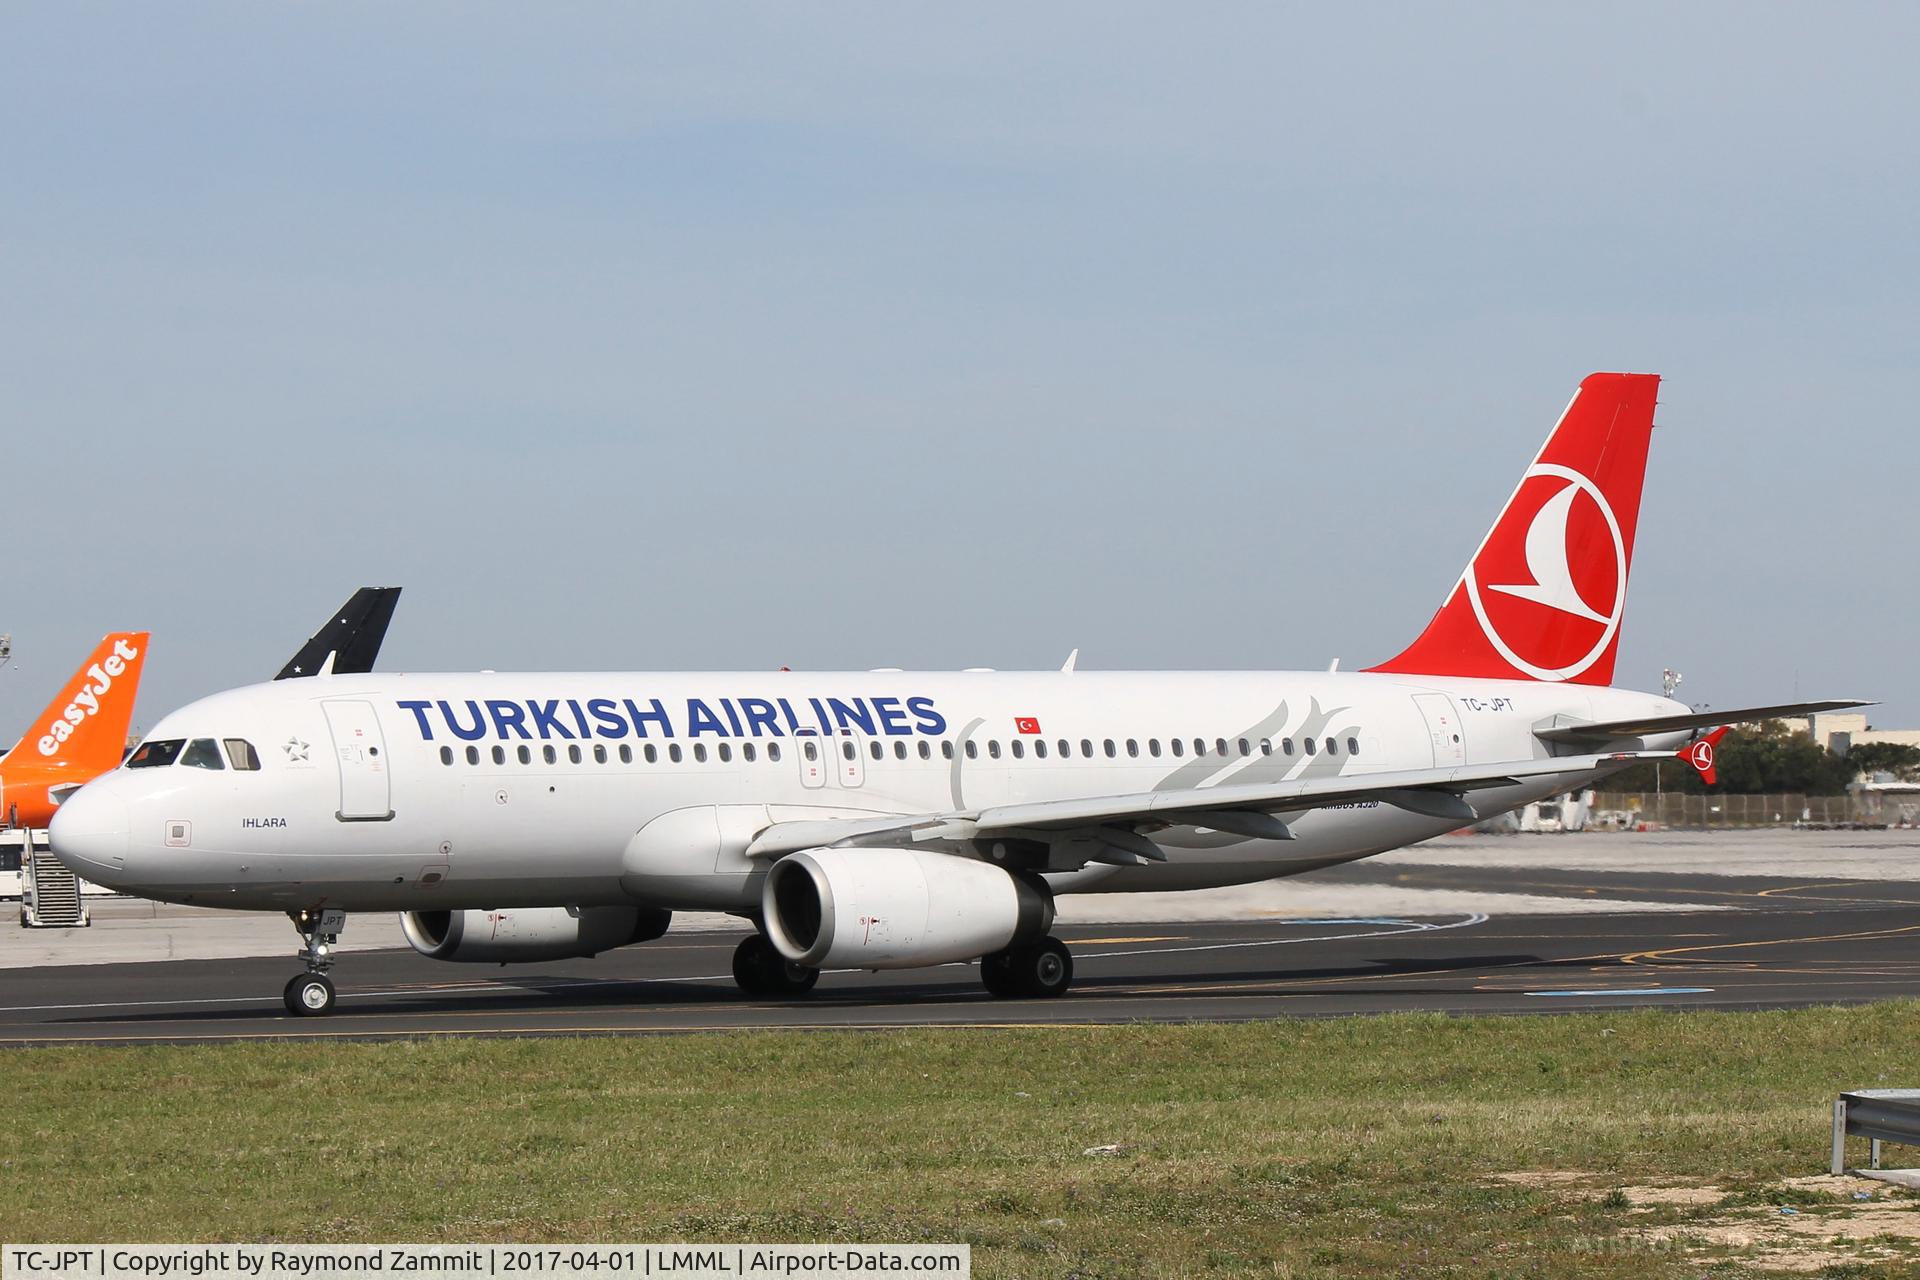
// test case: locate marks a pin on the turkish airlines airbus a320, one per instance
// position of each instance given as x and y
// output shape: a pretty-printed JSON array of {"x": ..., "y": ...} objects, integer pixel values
[{"x": 892, "y": 820}]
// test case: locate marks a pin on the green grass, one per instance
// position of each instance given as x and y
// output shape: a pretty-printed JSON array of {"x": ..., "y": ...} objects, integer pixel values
[{"x": 1353, "y": 1147}]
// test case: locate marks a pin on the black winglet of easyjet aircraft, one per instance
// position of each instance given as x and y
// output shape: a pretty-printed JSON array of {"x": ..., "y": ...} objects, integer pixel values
[{"x": 351, "y": 637}]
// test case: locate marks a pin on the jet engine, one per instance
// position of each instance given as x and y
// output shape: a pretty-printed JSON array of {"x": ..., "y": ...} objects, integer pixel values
[
  {"x": 518, "y": 935},
  {"x": 897, "y": 908}
]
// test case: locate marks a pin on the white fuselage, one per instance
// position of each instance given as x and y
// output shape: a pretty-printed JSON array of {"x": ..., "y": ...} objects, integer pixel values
[{"x": 465, "y": 791}]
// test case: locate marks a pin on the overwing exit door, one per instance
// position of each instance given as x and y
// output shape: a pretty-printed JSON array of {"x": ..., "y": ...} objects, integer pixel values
[
  {"x": 360, "y": 752},
  {"x": 1443, "y": 727}
]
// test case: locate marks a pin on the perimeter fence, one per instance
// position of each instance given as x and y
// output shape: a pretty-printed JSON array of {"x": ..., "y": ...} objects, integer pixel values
[{"x": 1680, "y": 809}]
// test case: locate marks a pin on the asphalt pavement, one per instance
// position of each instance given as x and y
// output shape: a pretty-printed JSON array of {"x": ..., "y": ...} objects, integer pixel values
[{"x": 1717, "y": 941}]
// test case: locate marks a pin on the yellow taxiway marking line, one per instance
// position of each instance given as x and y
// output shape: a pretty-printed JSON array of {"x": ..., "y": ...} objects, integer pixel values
[
  {"x": 1662, "y": 955},
  {"x": 1115, "y": 942}
]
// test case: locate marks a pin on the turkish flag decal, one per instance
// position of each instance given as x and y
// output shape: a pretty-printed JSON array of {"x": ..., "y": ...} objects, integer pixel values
[{"x": 1026, "y": 724}]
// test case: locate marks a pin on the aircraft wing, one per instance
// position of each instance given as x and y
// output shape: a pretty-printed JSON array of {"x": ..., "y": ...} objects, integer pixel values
[
  {"x": 1115, "y": 822},
  {"x": 1609, "y": 730}
]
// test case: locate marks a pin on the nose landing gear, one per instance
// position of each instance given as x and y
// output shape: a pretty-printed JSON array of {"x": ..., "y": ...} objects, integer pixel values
[{"x": 311, "y": 994}]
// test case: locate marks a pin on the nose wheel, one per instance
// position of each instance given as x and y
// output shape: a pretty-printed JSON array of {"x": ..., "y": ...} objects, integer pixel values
[{"x": 311, "y": 994}]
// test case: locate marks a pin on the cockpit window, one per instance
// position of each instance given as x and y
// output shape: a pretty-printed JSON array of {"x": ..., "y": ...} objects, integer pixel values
[
  {"x": 241, "y": 753},
  {"x": 203, "y": 753},
  {"x": 156, "y": 753}
]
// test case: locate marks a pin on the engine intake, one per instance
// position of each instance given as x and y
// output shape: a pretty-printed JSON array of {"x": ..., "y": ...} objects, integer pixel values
[
  {"x": 532, "y": 933},
  {"x": 897, "y": 908}
]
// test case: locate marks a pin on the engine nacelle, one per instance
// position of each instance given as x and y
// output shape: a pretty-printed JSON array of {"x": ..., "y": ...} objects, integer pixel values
[
  {"x": 897, "y": 908},
  {"x": 522, "y": 934}
]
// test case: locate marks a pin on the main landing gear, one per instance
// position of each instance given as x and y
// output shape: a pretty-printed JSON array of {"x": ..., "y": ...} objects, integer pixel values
[
  {"x": 311, "y": 994},
  {"x": 1043, "y": 969},
  {"x": 762, "y": 971}
]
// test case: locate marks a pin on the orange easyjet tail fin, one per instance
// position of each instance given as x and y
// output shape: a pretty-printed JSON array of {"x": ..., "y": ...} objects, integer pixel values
[
  {"x": 86, "y": 725},
  {"x": 1544, "y": 596}
]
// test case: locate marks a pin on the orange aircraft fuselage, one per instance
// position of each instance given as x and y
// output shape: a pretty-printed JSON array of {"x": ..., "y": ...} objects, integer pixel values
[{"x": 81, "y": 734}]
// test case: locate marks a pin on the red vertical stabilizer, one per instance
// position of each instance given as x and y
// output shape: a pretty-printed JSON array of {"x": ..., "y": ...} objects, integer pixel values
[{"x": 1544, "y": 596}]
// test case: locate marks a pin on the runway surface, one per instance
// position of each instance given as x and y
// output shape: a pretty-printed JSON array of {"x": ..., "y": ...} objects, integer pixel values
[{"x": 1727, "y": 942}]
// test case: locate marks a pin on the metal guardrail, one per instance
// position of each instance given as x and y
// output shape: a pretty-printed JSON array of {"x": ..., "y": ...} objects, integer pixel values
[{"x": 1883, "y": 1115}]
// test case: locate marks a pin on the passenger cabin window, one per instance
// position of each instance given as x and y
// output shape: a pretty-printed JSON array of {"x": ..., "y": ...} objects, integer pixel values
[
  {"x": 1307, "y": 744},
  {"x": 726, "y": 753},
  {"x": 773, "y": 752},
  {"x": 1018, "y": 748},
  {"x": 446, "y": 755},
  {"x": 473, "y": 755},
  {"x": 993, "y": 747},
  {"x": 499, "y": 755},
  {"x": 1266, "y": 746},
  {"x": 899, "y": 750},
  {"x": 525, "y": 754},
  {"x": 653, "y": 754},
  {"x": 1220, "y": 746},
  {"x": 1245, "y": 750},
  {"x": 1133, "y": 747},
  {"x": 973, "y": 749},
  {"x": 1286, "y": 746},
  {"x": 203, "y": 753},
  {"x": 1353, "y": 746},
  {"x": 926, "y": 752},
  {"x": 157, "y": 753},
  {"x": 946, "y": 749},
  {"x": 241, "y": 755},
  {"x": 1108, "y": 743},
  {"x": 599, "y": 753},
  {"x": 626, "y": 753},
  {"x": 1176, "y": 746},
  {"x": 811, "y": 751},
  {"x": 1199, "y": 746},
  {"x": 673, "y": 752},
  {"x": 548, "y": 754},
  {"x": 1153, "y": 747},
  {"x": 573, "y": 754},
  {"x": 1039, "y": 748},
  {"x": 1086, "y": 748},
  {"x": 700, "y": 752},
  {"x": 747, "y": 752},
  {"x": 1333, "y": 748}
]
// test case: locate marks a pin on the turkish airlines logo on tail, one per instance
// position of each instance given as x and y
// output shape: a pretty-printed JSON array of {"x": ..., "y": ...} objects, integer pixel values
[{"x": 1549, "y": 586}]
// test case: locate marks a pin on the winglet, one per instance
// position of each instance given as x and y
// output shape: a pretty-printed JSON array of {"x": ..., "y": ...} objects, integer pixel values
[{"x": 1701, "y": 754}]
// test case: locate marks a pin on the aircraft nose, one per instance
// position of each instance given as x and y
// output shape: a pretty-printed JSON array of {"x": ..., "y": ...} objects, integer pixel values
[{"x": 89, "y": 834}]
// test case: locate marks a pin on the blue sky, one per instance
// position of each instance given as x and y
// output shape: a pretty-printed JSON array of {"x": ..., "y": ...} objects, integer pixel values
[{"x": 936, "y": 336}]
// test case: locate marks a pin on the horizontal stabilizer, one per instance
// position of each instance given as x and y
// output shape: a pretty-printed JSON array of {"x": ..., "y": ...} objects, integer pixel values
[{"x": 1611, "y": 730}]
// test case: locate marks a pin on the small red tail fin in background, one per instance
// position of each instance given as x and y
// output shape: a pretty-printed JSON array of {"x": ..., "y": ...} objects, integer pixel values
[
  {"x": 85, "y": 726},
  {"x": 1544, "y": 596},
  {"x": 1700, "y": 754}
]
